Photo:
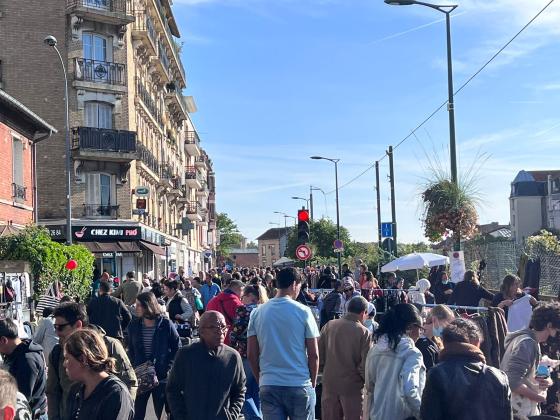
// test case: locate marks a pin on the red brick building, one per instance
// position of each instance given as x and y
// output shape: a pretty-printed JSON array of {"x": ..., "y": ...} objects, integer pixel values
[{"x": 20, "y": 131}]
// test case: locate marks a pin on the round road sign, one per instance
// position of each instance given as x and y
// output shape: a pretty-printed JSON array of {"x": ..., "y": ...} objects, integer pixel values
[
  {"x": 338, "y": 244},
  {"x": 303, "y": 252}
]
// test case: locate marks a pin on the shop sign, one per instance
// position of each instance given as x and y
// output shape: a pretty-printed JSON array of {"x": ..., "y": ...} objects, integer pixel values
[
  {"x": 106, "y": 233},
  {"x": 111, "y": 254}
]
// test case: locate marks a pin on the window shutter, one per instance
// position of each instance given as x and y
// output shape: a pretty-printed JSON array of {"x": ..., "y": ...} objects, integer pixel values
[{"x": 17, "y": 152}]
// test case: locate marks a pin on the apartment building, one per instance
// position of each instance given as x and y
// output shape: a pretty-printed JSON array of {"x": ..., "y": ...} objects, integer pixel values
[
  {"x": 272, "y": 245},
  {"x": 534, "y": 203},
  {"x": 142, "y": 187}
]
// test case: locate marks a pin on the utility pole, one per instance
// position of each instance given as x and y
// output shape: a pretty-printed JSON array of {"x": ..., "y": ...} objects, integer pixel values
[
  {"x": 311, "y": 202},
  {"x": 393, "y": 206},
  {"x": 378, "y": 203}
]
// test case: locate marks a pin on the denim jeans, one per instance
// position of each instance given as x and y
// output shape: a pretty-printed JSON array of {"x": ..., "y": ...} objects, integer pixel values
[
  {"x": 281, "y": 402},
  {"x": 158, "y": 399},
  {"x": 252, "y": 407}
]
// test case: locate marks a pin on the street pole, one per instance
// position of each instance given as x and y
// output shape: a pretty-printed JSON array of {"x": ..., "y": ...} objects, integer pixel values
[
  {"x": 52, "y": 42},
  {"x": 337, "y": 216},
  {"x": 451, "y": 103},
  {"x": 393, "y": 206},
  {"x": 378, "y": 193},
  {"x": 311, "y": 202}
]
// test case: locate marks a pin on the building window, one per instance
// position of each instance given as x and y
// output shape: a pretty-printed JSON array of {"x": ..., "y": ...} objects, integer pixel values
[
  {"x": 95, "y": 47},
  {"x": 98, "y": 115},
  {"x": 18, "y": 188},
  {"x": 263, "y": 250},
  {"x": 100, "y": 195}
]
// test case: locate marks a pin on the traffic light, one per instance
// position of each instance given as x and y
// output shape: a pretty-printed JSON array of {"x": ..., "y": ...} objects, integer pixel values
[{"x": 303, "y": 226}]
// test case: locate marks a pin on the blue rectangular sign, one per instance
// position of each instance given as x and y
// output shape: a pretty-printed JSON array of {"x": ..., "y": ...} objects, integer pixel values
[{"x": 387, "y": 230}]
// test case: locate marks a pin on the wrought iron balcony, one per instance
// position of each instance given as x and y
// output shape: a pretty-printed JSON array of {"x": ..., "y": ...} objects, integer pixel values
[
  {"x": 100, "y": 71},
  {"x": 192, "y": 143},
  {"x": 143, "y": 28},
  {"x": 148, "y": 158},
  {"x": 148, "y": 102},
  {"x": 102, "y": 143},
  {"x": 115, "y": 12},
  {"x": 19, "y": 192},
  {"x": 101, "y": 210}
]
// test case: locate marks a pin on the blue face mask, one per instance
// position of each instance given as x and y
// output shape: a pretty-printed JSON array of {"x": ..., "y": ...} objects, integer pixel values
[
  {"x": 445, "y": 281},
  {"x": 437, "y": 331}
]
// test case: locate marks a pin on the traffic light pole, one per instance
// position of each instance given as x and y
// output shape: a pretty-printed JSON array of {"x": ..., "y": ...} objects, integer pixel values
[
  {"x": 378, "y": 193},
  {"x": 311, "y": 202},
  {"x": 393, "y": 204}
]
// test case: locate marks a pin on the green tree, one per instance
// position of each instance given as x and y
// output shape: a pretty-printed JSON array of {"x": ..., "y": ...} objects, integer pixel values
[
  {"x": 48, "y": 259},
  {"x": 322, "y": 236},
  {"x": 229, "y": 235}
]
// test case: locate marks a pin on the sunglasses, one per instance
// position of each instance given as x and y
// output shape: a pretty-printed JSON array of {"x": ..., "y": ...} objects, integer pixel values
[{"x": 60, "y": 327}]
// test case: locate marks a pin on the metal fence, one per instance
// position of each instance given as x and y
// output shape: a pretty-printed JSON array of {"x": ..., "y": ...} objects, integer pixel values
[{"x": 502, "y": 258}]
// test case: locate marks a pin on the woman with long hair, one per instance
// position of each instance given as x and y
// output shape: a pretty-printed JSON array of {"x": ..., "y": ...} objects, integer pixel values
[
  {"x": 152, "y": 338},
  {"x": 100, "y": 394},
  {"x": 510, "y": 290},
  {"x": 395, "y": 372},
  {"x": 431, "y": 344},
  {"x": 469, "y": 291}
]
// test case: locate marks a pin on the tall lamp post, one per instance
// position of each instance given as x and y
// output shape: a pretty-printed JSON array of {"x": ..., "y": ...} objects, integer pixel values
[
  {"x": 335, "y": 161},
  {"x": 52, "y": 42},
  {"x": 324, "y": 196},
  {"x": 304, "y": 199},
  {"x": 446, "y": 9}
]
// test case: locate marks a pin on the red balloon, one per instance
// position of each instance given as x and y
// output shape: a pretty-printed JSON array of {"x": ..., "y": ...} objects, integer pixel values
[{"x": 71, "y": 265}]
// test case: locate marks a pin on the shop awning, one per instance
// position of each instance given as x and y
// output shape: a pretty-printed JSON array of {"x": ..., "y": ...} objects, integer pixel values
[
  {"x": 157, "y": 250},
  {"x": 101, "y": 247}
]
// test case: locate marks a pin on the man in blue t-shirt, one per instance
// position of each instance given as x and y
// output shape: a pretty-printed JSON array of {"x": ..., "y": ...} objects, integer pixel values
[
  {"x": 208, "y": 290},
  {"x": 283, "y": 352}
]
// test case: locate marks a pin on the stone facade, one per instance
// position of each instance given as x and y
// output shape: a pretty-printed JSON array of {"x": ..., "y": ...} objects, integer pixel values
[{"x": 130, "y": 123}]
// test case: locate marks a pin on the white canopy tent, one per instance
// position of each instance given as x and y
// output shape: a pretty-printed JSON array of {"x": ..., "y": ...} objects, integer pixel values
[{"x": 415, "y": 261}]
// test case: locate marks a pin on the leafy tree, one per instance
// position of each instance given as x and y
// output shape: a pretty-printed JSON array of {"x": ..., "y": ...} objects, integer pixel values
[
  {"x": 322, "y": 236},
  {"x": 252, "y": 245},
  {"x": 229, "y": 235},
  {"x": 48, "y": 259}
]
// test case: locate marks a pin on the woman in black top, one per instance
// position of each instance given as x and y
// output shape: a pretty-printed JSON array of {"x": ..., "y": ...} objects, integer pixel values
[
  {"x": 510, "y": 290},
  {"x": 98, "y": 394},
  {"x": 469, "y": 291},
  {"x": 430, "y": 344}
]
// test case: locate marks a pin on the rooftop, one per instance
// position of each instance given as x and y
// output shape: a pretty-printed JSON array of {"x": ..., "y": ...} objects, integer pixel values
[{"x": 273, "y": 233}]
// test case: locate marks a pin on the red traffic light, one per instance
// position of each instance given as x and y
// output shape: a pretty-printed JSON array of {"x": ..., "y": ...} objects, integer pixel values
[{"x": 303, "y": 216}]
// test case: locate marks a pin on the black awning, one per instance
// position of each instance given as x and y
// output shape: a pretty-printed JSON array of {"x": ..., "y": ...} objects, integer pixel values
[
  {"x": 120, "y": 246},
  {"x": 157, "y": 250}
]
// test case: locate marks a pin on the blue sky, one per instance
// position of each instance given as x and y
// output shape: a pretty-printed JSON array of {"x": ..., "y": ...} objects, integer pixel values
[{"x": 277, "y": 81}]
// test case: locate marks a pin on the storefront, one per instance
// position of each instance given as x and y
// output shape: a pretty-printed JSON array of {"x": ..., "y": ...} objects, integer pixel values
[{"x": 117, "y": 249}]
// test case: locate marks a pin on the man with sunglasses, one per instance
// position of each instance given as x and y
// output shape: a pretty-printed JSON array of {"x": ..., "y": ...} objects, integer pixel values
[
  {"x": 69, "y": 317},
  {"x": 207, "y": 380}
]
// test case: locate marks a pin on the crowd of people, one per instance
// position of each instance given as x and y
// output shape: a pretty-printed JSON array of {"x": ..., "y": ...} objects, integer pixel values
[{"x": 277, "y": 344}]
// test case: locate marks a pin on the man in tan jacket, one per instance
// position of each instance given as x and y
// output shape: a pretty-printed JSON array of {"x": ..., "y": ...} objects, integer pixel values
[{"x": 343, "y": 348}]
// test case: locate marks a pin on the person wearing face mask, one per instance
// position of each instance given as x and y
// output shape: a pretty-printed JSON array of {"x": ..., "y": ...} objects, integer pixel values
[
  {"x": 430, "y": 344},
  {"x": 522, "y": 356},
  {"x": 442, "y": 289}
]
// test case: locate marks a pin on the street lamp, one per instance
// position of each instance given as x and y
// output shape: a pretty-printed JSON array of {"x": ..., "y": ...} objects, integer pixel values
[
  {"x": 446, "y": 9},
  {"x": 304, "y": 199},
  {"x": 285, "y": 217},
  {"x": 324, "y": 197},
  {"x": 51, "y": 42},
  {"x": 335, "y": 161}
]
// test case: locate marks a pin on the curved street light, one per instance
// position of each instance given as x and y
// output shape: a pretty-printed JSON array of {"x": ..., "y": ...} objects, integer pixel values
[
  {"x": 335, "y": 161},
  {"x": 446, "y": 9},
  {"x": 52, "y": 42}
]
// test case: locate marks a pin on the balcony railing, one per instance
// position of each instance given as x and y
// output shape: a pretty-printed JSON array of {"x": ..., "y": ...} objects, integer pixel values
[
  {"x": 144, "y": 23},
  {"x": 193, "y": 207},
  {"x": 165, "y": 171},
  {"x": 100, "y": 71},
  {"x": 148, "y": 158},
  {"x": 19, "y": 192},
  {"x": 101, "y": 210},
  {"x": 146, "y": 98},
  {"x": 103, "y": 139},
  {"x": 192, "y": 138},
  {"x": 163, "y": 57},
  {"x": 112, "y": 6},
  {"x": 191, "y": 172}
]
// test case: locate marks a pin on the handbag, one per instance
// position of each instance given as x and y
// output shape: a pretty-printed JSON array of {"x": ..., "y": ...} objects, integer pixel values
[
  {"x": 48, "y": 300},
  {"x": 147, "y": 377}
]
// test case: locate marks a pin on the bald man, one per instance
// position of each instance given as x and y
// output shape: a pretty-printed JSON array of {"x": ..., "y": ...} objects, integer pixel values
[{"x": 207, "y": 380}]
